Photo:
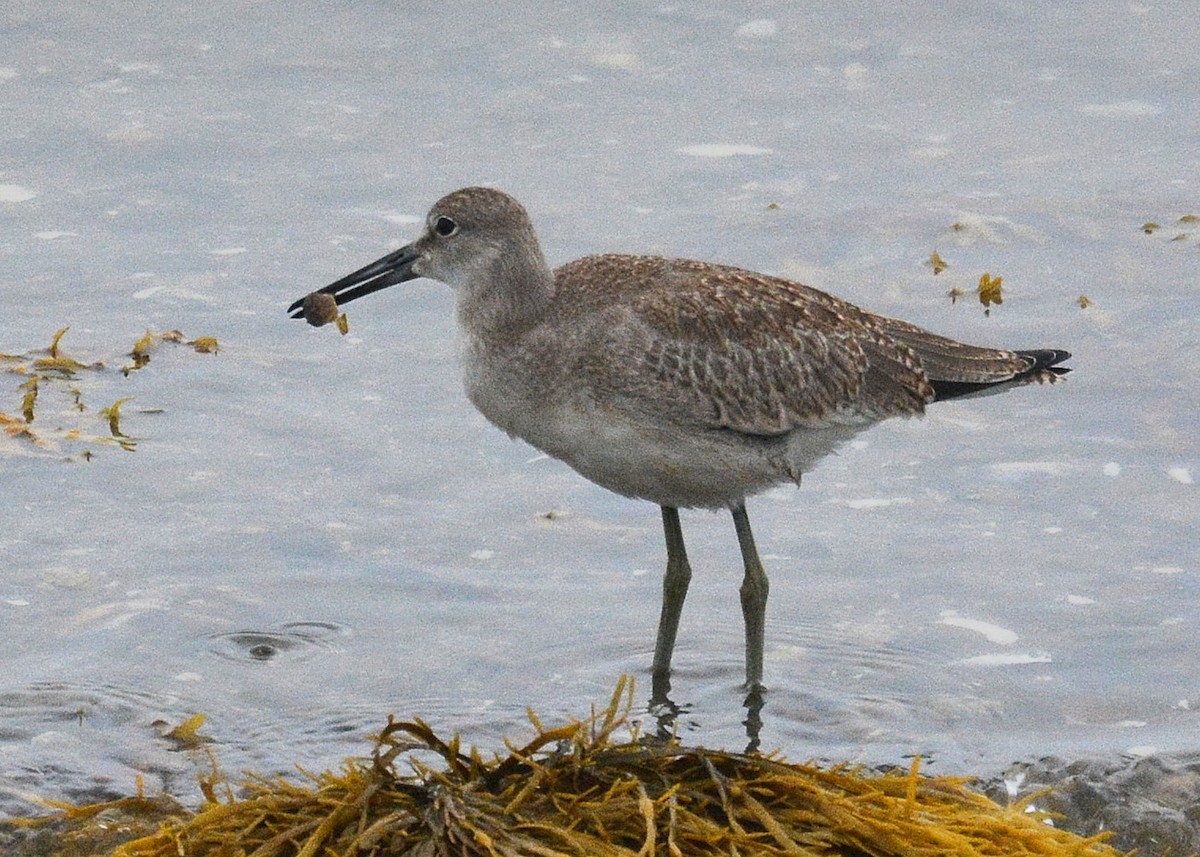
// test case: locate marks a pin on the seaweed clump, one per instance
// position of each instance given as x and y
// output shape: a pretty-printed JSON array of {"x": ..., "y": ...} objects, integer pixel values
[
  {"x": 576, "y": 790},
  {"x": 51, "y": 372}
]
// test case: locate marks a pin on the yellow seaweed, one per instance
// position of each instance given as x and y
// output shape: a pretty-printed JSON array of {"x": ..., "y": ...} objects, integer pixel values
[
  {"x": 205, "y": 345},
  {"x": 59, "y": 363},
  {"x": 186, "y": 734},
  {"x": 143, "y": 346},
  {"x": 19, "y": 427},
  {"x": 580, "y": 789},
  {"x": 113, "y": 414},
  {"x": 31, "y": 393},
  {"x": 48, "y": 371},
  {"x": 53, "y": 349},
  {"x": 990, "y": 291},
  {"x": 141, "y": 352}
]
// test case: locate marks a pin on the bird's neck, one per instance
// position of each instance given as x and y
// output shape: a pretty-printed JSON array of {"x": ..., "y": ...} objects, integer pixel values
[{"x": 511, "y": 297}]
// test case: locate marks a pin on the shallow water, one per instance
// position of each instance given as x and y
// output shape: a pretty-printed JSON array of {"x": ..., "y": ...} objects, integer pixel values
[{"x": 314, "y": 530}]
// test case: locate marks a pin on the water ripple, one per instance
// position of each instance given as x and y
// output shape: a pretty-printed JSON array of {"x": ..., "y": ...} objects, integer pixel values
[{"x": 294, "y": 640}]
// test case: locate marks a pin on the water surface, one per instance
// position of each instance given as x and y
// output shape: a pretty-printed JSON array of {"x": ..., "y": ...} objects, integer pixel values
[{"x": 313, "y": 531}]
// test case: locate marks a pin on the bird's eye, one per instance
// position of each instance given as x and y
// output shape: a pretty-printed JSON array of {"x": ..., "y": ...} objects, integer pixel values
[{"x": 445, "y": 227}]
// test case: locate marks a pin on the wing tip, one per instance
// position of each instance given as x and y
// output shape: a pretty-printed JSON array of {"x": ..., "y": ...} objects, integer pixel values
[
  {"x": 1042, "y": 368},
  {"x": 1045, "y": 358}
]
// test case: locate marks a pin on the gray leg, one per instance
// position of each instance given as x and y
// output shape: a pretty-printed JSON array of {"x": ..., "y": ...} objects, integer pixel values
[
  {"x": 754, "y": 598},
  {"x": 675, "y": 587}
]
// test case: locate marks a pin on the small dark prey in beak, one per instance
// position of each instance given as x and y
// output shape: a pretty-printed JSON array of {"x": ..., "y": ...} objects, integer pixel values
[{"x": 395, "y": 267}]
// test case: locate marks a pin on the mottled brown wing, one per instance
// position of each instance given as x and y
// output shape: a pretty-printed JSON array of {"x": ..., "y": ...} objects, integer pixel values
[{"x": 727, "y": 348}]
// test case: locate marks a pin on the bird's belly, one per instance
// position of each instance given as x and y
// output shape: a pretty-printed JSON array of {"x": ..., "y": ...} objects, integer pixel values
[{"x": 668, "y": 464}]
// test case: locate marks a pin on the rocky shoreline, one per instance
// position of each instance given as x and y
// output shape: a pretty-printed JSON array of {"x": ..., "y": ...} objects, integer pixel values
[{"x": 1149, "y": 803}]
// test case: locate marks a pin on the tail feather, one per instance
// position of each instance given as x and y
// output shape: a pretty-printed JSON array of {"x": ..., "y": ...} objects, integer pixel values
[
  {"x": 956, "y": 369},
  {"x": 1041, "y": 367},
  {"x": 945, "y": 359}
]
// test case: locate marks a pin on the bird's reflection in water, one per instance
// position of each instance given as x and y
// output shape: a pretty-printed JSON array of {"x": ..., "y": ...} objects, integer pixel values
[
  {"x": 666, "y": 712},
  {"x": 753, "y": 703}
]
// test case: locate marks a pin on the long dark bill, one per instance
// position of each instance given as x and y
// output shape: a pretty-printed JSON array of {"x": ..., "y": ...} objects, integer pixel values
[{"x": 395, "y": 267}]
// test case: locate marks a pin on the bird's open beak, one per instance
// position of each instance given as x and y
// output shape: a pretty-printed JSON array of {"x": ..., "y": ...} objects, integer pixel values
[{"x": 395, "y": 267}]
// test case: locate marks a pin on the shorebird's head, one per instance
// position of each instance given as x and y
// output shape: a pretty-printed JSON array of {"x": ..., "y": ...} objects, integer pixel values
[{"x": 473, "y": 238}]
